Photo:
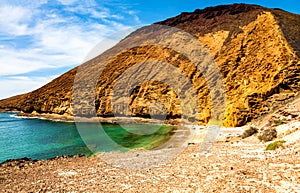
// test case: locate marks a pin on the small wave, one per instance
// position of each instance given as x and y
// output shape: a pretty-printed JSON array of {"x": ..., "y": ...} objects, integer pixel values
[
  {"x": 24, "y": 117},
  {"x": 14, "y": 116},
  {"x": 40, "y": 118},
  {"x": 58, "y": 120}
]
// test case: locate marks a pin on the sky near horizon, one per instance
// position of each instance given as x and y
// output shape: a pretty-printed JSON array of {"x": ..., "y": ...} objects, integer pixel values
[{"x": 41, "y": 39}]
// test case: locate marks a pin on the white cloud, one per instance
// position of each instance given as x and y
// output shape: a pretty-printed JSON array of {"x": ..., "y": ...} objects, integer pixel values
[
  {"x": 32, "y": 4},
  {"x": 97, "y": 12},
  {"x": 67, "y": 2},
  {"x": 55, "y": 48},
  {"x": 14, "y": 20},
  {"x": 20, "y": 61},
  {"x": 135, "y": 17},
  {"x": 57, "y": 41},
  {"x": 34, "y": 38},
  {"x": 19, "y": 85}
]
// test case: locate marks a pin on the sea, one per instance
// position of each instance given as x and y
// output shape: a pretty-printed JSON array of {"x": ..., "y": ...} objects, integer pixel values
[{"x": 42, "y": 139}]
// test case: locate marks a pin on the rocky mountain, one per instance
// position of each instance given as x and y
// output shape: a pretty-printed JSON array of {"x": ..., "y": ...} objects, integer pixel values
[{"x": 256, "y": 50}]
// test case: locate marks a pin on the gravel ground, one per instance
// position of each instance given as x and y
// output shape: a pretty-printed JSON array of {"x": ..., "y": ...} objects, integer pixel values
[{"x": 227, "y": 167}]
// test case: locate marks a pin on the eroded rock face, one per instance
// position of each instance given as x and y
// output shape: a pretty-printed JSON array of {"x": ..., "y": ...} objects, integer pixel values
[{"x": 255, "y": 48}]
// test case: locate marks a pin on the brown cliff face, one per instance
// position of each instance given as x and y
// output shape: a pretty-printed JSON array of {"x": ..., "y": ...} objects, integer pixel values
[{"x": 256, "y": 49}]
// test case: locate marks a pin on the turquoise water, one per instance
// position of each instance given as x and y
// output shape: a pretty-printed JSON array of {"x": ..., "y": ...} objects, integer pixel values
[{"x": 42, "y": 139}]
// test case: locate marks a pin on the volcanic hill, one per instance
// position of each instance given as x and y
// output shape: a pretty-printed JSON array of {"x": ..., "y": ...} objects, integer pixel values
[{"x": 256, "y": 49}]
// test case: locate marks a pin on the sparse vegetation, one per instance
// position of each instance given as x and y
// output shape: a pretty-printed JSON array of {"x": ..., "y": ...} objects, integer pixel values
[
  {"x": 279, "y": 122},
  {"x": 275, "y": 145},
  {"x": 268, "y": 135},
  {"x": 249, "y": 132}
]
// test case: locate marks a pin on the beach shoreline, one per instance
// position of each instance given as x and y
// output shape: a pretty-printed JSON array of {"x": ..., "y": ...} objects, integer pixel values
[{"x": 112, "y": 120}]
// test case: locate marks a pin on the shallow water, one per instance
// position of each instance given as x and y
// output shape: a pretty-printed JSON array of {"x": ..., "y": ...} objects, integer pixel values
[{"x": 42, "y": 139}]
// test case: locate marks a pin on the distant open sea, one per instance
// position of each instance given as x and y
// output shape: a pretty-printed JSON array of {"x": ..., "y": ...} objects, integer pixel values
[{"x": 42, "y": 139}]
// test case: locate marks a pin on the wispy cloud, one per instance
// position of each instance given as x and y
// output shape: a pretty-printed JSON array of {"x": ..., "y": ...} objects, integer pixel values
[
  {"x": 67, "y": 2},
  {"x": 22, "y": 84},
  {"x": 45, "y": 34},
  {"x": 14, "y": 20}
]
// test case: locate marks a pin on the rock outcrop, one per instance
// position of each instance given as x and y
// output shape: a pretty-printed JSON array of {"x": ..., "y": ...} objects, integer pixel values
[{"x": 256, "y": 50}]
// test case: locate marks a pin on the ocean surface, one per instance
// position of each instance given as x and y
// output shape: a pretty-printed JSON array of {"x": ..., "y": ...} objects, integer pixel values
[{"x": 41, "y": 139}]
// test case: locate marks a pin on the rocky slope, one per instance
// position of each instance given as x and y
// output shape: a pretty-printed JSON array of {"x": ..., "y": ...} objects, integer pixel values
[{"x": 256, "y": 49}]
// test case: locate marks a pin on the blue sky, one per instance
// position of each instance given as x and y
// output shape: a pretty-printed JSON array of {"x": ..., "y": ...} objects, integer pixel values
[{"x": 41, "y": 39}]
